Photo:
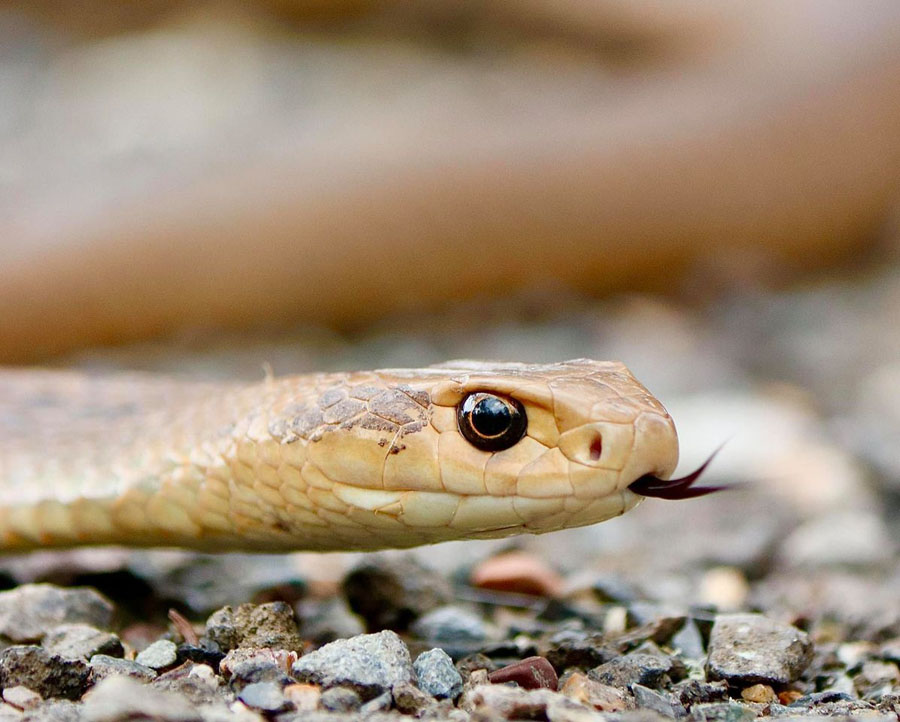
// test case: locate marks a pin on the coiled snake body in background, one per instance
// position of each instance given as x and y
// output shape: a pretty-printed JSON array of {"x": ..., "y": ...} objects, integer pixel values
[{"x": 390, "y": 458}]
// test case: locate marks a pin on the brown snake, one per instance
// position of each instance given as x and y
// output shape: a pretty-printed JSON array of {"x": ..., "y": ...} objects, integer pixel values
[{"x": 366, "y": 460}]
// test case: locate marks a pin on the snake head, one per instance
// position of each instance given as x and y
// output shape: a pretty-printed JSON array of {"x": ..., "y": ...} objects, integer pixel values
[
  {"x": 400, "y": 457},
  {"x": 587, "y": 431}
]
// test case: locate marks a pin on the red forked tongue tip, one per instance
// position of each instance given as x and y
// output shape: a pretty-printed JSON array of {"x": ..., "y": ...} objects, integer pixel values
[{"x": 683, "y": 488}]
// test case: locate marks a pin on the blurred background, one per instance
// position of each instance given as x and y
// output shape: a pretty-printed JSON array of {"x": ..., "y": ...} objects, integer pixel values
[{"x": 706, "y": 193}]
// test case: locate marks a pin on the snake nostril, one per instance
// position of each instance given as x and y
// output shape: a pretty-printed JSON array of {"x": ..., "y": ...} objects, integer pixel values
[{"x": 596, "y": 448}]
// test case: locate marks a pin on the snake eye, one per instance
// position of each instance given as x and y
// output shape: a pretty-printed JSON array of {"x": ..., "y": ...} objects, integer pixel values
[{"x": 491, "y": 423}]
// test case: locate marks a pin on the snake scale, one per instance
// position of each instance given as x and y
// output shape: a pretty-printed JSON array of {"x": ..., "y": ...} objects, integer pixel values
[{"x": 364, "y": 460}]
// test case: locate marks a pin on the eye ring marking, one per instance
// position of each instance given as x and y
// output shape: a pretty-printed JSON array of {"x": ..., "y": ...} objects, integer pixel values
[{"x": 490, "y": 422}]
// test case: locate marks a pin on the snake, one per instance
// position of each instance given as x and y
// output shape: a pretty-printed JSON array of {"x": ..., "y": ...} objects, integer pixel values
[{"x": 364, "y": 460}]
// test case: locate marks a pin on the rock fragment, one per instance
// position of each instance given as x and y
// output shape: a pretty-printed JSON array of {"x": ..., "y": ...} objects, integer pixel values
[
  {"x": 81, "y": 641},
  {"x": 602, "y": 697},
  {"x": 244, "y": 666},
  {"x": 649, "y": 670},
  {"x": 437, "y": 675},
  {"x": 341, "y": 699},
  {"x": 28, "y": 611},
  {"x": 410, "y": 699},
  {"x": 370, "y": 664},
  {"x": 529, "y": 673},
  {"x": 662, "y": 703},
  {"x": 103, "y": 666},
  {"x": 747, "y": 649},
  {"x": 162, "y": 654},
  {"x": 267, "y": 697},
  {"x": 270, "y": 625},
  {"x": 43, "y": 672}
]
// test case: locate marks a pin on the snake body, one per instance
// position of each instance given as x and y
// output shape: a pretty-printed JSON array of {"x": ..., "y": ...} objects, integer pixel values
[{"x": 360, "y": 460}]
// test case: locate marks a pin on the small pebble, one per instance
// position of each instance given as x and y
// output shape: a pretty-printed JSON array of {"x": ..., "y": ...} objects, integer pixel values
[
  {"x": 695, "y": 691},
  {"x": 436, "y": 674},
  {"x": 270, "y": 625},
  {"x": 265, "y": 696},
  {"x": 391, "y": 592},
  {"x": 761, "y": 693},
  {"x": 649, "y": 670},
  {"x": 530, "y": 673},
  {"x": 410, "y": 699},
  {"x": 518, "y": 572},
  {"x": 103, "y": 666},
  {"x": 602, "y": 697},
  {"x": 722, "y": 712},
  {"x": 80, "y": 641},
  {"x": 45, "y": 673},
  {"x": 661, "y": 702},
  {"x": 577, "y": 648},
  {"x": 688, "y": 641},
  {"x": 746, "y": 649},
  {"x": 22, "y": 697},
  {"x": 371, "y": 664},
  {"x": 159, "y": 655},
  {"x": 245, "y": 666},
  {"x": 304, "y": 697},
  {"x": 340, "y": 699},
  {"x": 28, "y": 611}
]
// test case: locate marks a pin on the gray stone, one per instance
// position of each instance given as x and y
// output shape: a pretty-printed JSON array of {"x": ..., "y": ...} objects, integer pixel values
[
  {"x": 45, "y": 673},
  {"x": 103, "y": 666},
  {"x": 159, "y": 655},
  {"x": 391, "y": 592},
  {"x": 269, "y": 625},
  {"x": 665, "y": 704},
  {"x": 450, "y": 624},
  {"x": 437, "y": 675},
  {"x": 244, "y": 666},
  {"x": 371, "y": 664},
  {"x": 722, "y": 712},
  {"x": 264, "y": 696},
  {"x": 649, "y": 670},
  {"x": 578, "y": 648},
  {"x": 688, "y": 641},
  {"x": 340, "y": 699},
  {"x": 81, "y": 641},
  {"x": 747, "y": 649},
  {"x": 409, "y": 699},
  {"x": 29, "y": 611},
  {"x": 122, "y": 698}
]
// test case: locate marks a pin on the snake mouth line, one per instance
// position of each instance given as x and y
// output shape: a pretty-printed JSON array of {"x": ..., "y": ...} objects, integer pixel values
[{"x": 673, "y": 489}]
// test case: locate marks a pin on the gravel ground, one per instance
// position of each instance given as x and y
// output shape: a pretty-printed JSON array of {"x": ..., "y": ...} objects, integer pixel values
[{"x": 778, "y": 599}]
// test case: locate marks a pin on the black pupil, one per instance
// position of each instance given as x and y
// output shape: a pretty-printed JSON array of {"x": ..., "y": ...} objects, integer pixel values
[{"x": 491, "y": 417}]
